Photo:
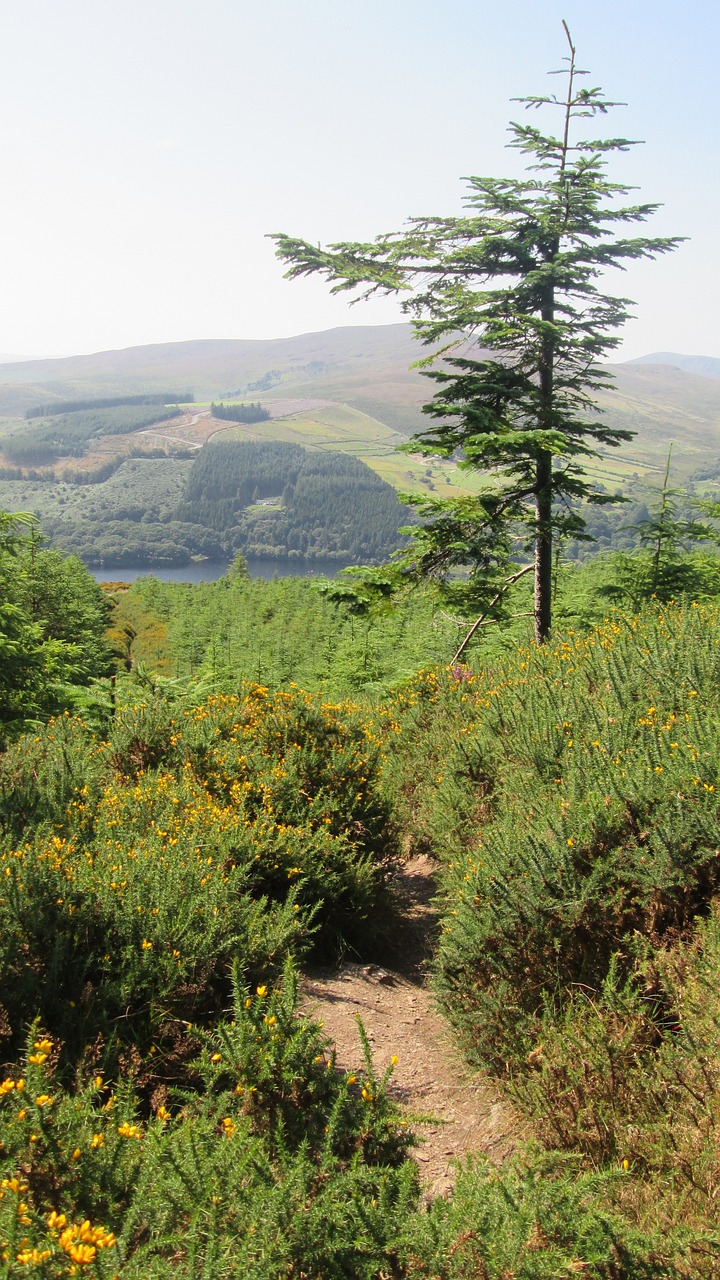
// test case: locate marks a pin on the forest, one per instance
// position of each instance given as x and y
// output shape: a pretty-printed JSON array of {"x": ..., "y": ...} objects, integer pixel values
[
  {"x": 240, "y": 412},
  {"x": 52, "y": 409},
  {"x": 68, "y": 434},
  {"x": 282, "y": 501}
]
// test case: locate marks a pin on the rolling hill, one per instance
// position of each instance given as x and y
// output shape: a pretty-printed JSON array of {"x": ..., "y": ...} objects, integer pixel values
[
  {"x": 706, "y": 366},
  {"x": 349, "y": 390},
  {"x": 661, "y": 397}
]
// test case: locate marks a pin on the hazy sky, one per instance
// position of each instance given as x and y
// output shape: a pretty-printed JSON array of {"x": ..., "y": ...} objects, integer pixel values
[{"x": 150, "y": 145}]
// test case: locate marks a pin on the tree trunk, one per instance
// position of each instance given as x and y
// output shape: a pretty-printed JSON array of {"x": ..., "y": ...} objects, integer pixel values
[
  {"x": 543, "y": 475},
  {"x": 543, "y": 546}
]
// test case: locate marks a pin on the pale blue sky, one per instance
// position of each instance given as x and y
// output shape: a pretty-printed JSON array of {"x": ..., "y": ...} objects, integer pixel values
[{"x": 148, "y": 146}]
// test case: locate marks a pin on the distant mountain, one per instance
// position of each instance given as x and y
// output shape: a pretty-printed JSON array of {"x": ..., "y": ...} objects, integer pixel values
[
  {"x": 662, "y": 397},
  {"x": 704, "y": 366},
  {"x": 215, "y": 368}
]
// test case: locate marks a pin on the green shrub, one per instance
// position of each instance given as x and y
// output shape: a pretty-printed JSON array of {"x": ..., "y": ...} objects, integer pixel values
[
  {"x": 302, "y": 1171},
  {"x": 575, "y": 806},
  {"x": 539, "y": 1218},
  {"x": 237, "y": 831}
]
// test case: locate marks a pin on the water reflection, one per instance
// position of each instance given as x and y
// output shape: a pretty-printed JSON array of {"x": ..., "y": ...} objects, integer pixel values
[{"x": 208, "y": 571}]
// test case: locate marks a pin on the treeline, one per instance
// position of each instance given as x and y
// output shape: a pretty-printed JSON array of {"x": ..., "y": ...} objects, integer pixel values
[
  {"x": 131, "y": 541},
  {"x": 109, "y": 402},
  {"x": 69, "y": 435},
  {"x": 278, "y": 500},
  {"x": 240, "y": 412}
]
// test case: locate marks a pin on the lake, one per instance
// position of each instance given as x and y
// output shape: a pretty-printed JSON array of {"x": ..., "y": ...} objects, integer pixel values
[{"x": 207, "y": 571}]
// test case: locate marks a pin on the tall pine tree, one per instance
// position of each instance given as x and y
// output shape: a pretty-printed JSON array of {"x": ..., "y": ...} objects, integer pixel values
[{"x": 511, "y": 290}]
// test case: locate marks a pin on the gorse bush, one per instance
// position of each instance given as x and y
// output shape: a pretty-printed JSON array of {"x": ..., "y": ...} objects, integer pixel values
[
  {"x": 575, "y": 804},
  {"x": 242, "y": 830},
  {"x": 571, "y": 795},
  {"x": 273, "y": 1163},
  {"x": 538, "y": 1218}
]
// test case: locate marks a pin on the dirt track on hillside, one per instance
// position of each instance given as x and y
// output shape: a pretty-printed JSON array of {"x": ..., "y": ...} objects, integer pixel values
[{"x": 462, "y": 1112}]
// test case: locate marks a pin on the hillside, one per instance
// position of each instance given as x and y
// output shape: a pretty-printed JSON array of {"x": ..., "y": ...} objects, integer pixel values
[
  {"x": 217, "y": 368},
  {"x": 349, "y": 390},
  {"x": 221, "y": 902},
  {"x": 662, "y": 397},
  {"x": 706, "y": 366}
]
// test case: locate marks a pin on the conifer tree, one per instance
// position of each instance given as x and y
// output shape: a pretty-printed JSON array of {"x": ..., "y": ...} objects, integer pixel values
[{"x": 512, "y": 292}]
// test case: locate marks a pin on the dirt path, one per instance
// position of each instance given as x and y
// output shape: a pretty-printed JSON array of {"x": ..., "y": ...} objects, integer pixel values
[{"x": 465, "y": 1112}]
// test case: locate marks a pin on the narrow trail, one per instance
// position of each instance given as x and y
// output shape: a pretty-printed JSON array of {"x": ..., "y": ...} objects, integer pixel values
[{"x": 464, "y": 1111}]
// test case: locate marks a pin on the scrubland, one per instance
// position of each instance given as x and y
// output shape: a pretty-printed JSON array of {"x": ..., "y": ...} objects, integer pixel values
[{"x": 170, "y": 861}]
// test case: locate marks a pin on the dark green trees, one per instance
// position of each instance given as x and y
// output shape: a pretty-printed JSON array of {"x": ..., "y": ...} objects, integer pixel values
[
  {"x": 52, "y": 626},
  {"x": 240, "y": 412},
  {"x": 512, "y": 290}
]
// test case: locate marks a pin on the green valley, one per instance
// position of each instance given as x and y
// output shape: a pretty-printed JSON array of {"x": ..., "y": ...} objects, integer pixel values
[{"x": 348, "y": 391}]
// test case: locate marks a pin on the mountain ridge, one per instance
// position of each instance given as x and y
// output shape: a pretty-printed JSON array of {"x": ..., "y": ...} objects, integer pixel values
[
  {"x": 368, "y": 368},
  {"x": 704, "y": 366}
]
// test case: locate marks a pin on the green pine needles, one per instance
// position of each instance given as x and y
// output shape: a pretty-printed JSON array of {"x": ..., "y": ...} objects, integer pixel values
[{"x": 513, "y": 290}]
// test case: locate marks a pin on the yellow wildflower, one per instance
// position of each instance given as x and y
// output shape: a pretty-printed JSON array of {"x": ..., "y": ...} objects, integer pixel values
[
  {"x": 32, "y": 1257},
  {"x": 129, "y": 1130}
]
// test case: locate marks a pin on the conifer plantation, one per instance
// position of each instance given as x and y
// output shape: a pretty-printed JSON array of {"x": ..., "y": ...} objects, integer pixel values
[{"x": 207, "y": 793}]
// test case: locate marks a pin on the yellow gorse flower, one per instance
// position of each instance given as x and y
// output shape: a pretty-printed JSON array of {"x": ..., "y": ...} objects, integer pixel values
[
  {"x": 14, "y": 1184},
  {"x": 82, "y": 1241},
  {"x": 127, "y": 1130},
  {"x": 33, "y": 1257}
]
